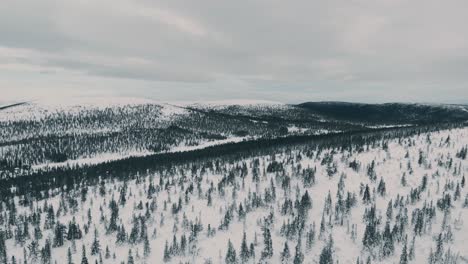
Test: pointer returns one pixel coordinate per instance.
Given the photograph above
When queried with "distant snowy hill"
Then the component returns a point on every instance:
(389, 112)
(87, 130)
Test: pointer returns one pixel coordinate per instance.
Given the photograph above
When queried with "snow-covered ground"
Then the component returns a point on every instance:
(39, 109)
(200, 193)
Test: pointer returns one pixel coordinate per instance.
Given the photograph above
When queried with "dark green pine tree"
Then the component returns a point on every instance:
(404, 253)
(326, 256)
(133, 238)
(230, 254)
(84, 259)
(439, 248)
(381, 189)
(46, 252)
(252, 250)
(59, 233)
(95, 246)
(412, 248)
(298, 256)
(121, 235)
(267, 244)
(130, 259)
(146, 247)
(102, 188)
(366, 198)
(108, 255)
(167, 253)
(241, 212)
(183, 244)
(244, 253)
(389, 212)
(123, 194)
(387, 236)
(50, 218)
(69, 256)
(114, 216)
(74, 231)
(369, 235)
(285, 255)
(310, 237)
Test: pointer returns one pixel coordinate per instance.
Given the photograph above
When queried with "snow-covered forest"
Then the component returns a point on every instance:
(390, 198)
(233, 132)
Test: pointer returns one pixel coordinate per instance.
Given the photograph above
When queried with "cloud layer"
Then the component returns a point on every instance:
(358, 50)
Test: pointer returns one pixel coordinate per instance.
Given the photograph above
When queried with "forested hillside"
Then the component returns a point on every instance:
(34, 135)
(388, 197)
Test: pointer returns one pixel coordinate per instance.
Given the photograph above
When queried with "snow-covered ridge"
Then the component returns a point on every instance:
(231, 102)
(37, 109)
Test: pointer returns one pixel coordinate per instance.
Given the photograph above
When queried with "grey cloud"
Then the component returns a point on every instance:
(279, 50)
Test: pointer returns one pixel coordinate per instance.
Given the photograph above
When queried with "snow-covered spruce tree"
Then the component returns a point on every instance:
(95, 246)
(46, 252)
(69, 256)
(244, 252)
(326, 256)
(267, 251)
(167, 253)
(59, 234)
(285, 254)
(146, 247)
(298, 255)
(84, 258)
(130, 259)
(231, 257)
(404, 253)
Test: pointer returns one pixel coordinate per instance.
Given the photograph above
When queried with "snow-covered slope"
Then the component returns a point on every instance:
(40, 109)
(385, 201)
(83, 130)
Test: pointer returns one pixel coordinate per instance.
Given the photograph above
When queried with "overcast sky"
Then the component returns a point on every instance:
(288, 51)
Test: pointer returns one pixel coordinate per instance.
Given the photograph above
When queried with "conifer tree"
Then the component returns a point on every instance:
(146, 247)
(244, 253)
(388, 245)
(69, 256)
(95, 246)
(130, 259)
(298, 256)
(46, 252)
(366, 198)
(326, 256)
(107, 256)
(404, 254)
(267, 244)
(310, 237)
(167, 254)
(84, 258)
(112, 227)
(230, 254)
